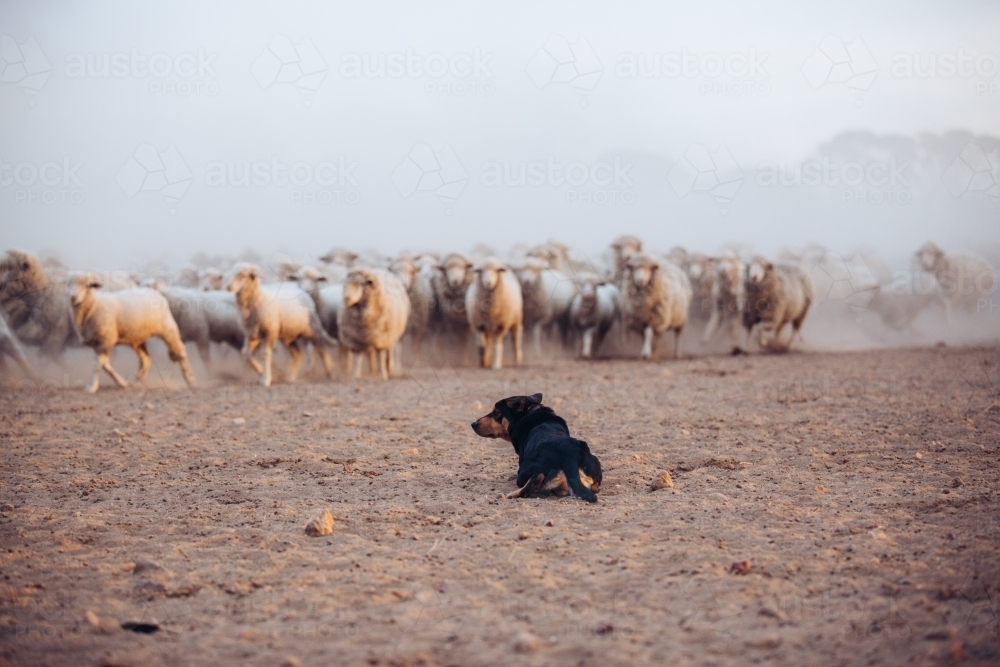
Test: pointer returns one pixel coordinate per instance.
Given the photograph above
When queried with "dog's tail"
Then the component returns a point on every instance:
(573, 477)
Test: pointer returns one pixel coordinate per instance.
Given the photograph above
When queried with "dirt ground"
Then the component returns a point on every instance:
(862, 487)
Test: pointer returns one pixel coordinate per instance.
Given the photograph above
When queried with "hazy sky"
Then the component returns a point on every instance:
(137, 132)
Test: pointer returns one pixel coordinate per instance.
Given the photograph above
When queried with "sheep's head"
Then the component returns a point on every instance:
(530, 272)
(21, 272)
(586, 287)
(929, 255)
(729, 268)
(212, 280)
(339, 256)
(243, 276)
(80, 284)
(679, 256)
(758, 269)
(627, 245)
(406, 268)
(457, 271)
(357, 285)
(641, 269)
(489, 272)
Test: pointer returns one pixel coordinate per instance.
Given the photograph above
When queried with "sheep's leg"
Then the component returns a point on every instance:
(677, 343)
(498, 351)
(179, 354)
(648, 338)
(203, 353)
(384, 361)
(358, 361)
(713, 324)
(372, 366)
(346, 359)
(518, 330)
(483, 349)
(296, 354)
(536, 336)
(268, 358)
(104, 361)
(324, 354)
(586, 343)
(144, 362)
(249, 347)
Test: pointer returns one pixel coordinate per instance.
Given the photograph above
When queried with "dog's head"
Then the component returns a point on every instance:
(505, 412)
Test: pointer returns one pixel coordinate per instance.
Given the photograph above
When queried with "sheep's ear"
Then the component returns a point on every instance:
(25, 266)
(502, 269)
(536, 398)
(440, 267)
(95, 283)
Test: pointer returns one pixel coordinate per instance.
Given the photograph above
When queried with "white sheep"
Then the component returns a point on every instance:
(273, 313)
(701, 272)
(373, 317)
(128, 317)
(595, 308)
(727, 296)
(624, 247)
(37, 308)
(775, 295)
(205, 317)
(10, 347)
(964, 281)
(421, 294)
(656, 298)
(451, 282)
(547, 295)
(495, 308)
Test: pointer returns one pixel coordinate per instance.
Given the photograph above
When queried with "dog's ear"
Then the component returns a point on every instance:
(536, 399)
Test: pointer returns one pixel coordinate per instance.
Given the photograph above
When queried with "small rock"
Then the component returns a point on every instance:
(320, 525)
(765, 642)
(957, 482)
(6, 507)
(526, 643)
(142, 565)
(550, 523)
(413, 451)
(772, 612)
(604, 629)
(664, 481)
(92, 619)
(919, 455)
(524, 536)
(291, 662)
(666, 373)
(239, 421)
(741, 567)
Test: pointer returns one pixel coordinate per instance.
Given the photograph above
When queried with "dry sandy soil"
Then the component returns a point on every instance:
(864, 489)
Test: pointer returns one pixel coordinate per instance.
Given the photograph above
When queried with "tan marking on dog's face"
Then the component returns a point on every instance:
(493, 425)
(589, 482)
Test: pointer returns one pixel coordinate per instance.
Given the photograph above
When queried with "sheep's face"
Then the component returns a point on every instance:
(406, 269)
(489, 275)
(758, 270)
(20, 271)
(456, 273)
(641, 271)
(356, 286)
(729, 269)
(242, 278)
(80, 284)
(530, 275)
(928, 256)
(212, 280)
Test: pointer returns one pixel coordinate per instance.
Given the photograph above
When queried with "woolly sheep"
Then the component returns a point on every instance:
(965, 281)
(373, 316)
(547, 295)
(624, 247)
(204, 317)
(727, 296)
(128, 317)
(775, 295)
(595, 308)
(273, 313)
(656, 298)
(495, 308)
(421, 294)
(36, 307)
(451, 282)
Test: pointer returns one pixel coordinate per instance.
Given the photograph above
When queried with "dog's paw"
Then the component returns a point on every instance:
(501, 496)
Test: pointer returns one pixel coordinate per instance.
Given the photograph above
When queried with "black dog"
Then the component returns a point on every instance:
(549, 460)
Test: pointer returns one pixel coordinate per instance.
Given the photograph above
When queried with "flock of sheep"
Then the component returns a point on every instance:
(366, 308)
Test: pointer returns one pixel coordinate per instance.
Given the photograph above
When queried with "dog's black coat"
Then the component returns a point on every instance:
(544, 446)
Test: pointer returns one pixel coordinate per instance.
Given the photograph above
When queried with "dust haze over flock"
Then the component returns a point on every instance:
(852, 127)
